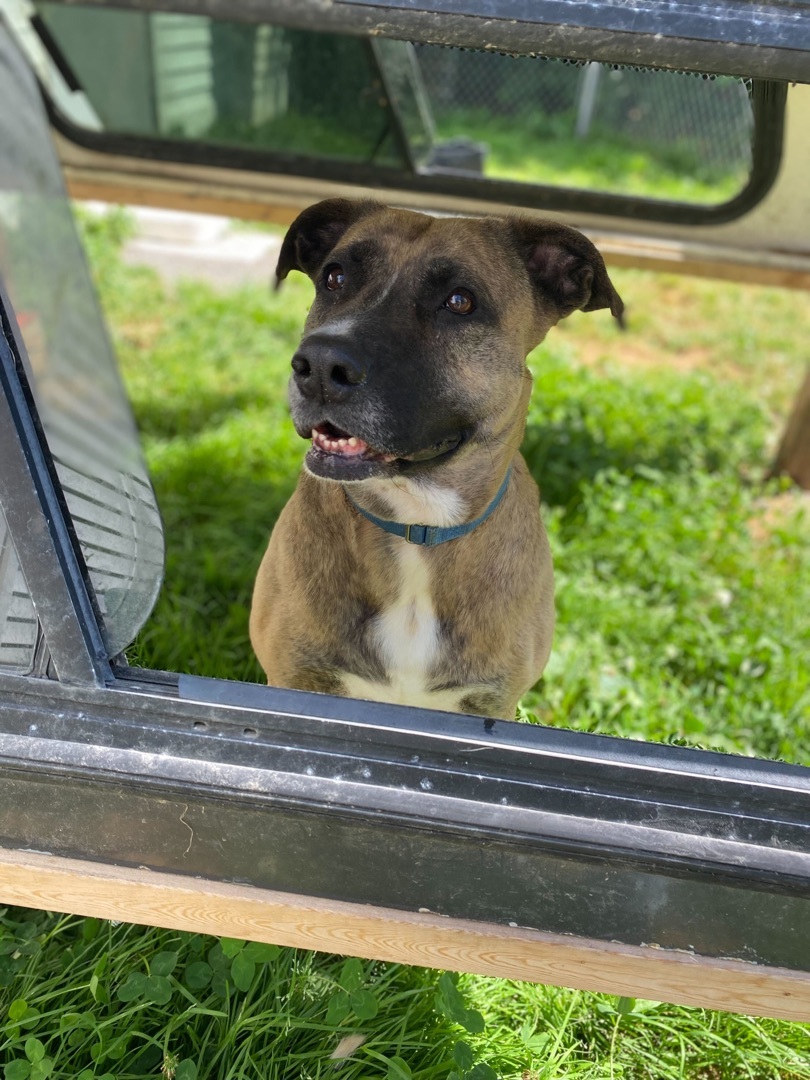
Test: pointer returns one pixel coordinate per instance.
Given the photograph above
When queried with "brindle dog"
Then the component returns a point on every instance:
(411, 383)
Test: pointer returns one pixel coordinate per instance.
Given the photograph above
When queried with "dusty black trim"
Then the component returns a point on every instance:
(49, 42)
(723, 37)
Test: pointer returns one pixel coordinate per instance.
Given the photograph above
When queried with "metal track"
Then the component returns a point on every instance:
(470, 818)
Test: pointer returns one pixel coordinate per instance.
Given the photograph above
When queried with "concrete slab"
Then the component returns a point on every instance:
(199, 247)
(232, 259)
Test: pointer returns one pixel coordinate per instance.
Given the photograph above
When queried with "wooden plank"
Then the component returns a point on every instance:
(169, 197)
(137, 895)
(745, 273)
(618, 250)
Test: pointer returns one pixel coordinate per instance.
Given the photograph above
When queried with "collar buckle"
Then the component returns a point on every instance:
(420, 539)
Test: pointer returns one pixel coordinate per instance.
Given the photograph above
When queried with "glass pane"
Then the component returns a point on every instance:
(78, 393)
(232, 84)
(306, 95)
(18, 620)
(659, 134)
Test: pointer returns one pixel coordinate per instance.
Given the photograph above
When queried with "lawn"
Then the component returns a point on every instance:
(683, 592)
(534, 148)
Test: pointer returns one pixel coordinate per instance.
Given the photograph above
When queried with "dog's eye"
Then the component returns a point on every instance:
(460, 301)
(335, 278)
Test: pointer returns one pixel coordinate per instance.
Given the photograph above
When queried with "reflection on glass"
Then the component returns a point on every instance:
(318, 96)
(18, 619)
(72, 370)
(190, 77)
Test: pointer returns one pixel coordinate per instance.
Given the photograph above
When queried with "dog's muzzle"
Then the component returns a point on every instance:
(333, 403)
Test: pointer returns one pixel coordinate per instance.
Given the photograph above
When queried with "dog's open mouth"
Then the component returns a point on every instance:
(330, 440)
(338, 455)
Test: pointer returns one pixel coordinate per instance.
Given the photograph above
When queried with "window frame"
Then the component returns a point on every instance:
(768, 101)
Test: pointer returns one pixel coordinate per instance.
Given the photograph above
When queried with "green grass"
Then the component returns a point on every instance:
(534, 148)
(683, 586)
(85, 999)
(309, 135)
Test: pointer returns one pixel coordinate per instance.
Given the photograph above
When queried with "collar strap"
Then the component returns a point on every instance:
(431, 535)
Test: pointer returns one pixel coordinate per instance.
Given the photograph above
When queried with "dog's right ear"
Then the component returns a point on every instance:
(315, 232)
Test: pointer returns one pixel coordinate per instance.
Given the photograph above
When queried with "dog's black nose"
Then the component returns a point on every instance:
(325, 372)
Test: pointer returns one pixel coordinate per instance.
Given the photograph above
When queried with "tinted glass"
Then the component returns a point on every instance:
(79, 396)
(230, 84)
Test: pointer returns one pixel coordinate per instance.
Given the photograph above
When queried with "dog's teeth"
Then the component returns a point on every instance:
(346, 445)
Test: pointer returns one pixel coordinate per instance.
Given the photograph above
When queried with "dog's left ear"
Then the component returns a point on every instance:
(315, 232)
(566, 268)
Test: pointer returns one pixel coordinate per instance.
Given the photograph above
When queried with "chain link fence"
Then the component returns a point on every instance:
(705, 121)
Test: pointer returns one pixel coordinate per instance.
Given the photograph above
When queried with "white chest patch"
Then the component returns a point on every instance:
(407, 634)
(421, 503)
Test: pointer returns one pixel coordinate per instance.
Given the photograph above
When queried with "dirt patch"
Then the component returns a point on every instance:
(143, 334)
(637, 356)
(775, 511)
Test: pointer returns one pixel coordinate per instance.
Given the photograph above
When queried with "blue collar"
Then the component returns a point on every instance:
(431, 535)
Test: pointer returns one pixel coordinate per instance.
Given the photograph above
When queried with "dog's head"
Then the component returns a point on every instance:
(414, 349)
